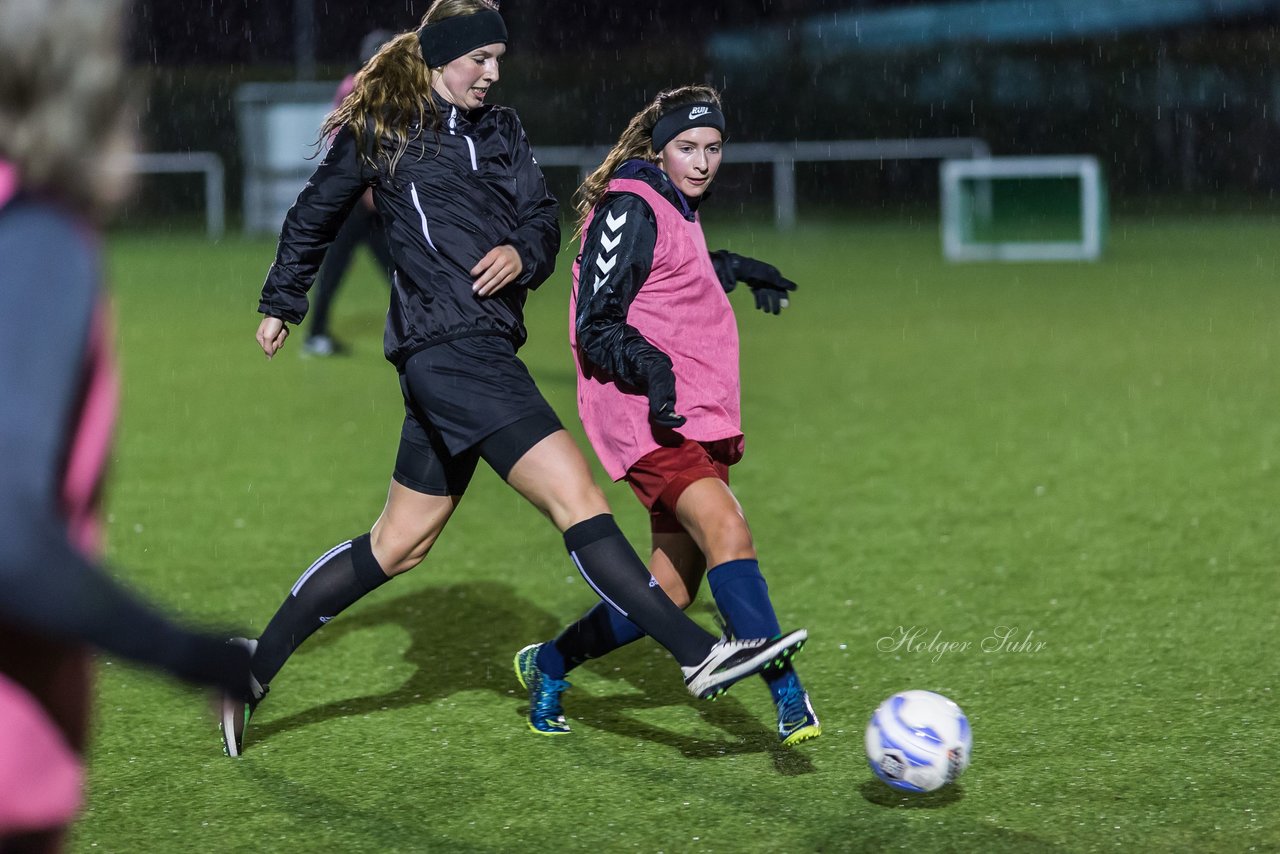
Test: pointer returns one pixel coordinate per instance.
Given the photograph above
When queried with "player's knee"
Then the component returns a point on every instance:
(730, 539)
(577, 503)
(401, 554)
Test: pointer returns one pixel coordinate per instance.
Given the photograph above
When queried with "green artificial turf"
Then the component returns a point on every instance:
(1086, 454)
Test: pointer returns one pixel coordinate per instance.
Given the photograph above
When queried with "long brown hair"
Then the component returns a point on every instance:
(393, 90)
(636, 143)
(66, 118)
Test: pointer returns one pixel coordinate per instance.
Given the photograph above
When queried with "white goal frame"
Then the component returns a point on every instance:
(958, 213)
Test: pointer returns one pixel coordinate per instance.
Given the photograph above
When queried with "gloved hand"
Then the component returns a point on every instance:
(769, 286)
(662, 396)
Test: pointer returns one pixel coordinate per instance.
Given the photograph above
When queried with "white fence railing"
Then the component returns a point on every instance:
(785, 155)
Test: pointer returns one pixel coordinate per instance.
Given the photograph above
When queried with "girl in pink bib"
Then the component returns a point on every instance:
(656, 344)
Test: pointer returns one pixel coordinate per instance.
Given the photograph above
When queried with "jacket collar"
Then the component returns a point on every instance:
(643, 170)
(452, 116)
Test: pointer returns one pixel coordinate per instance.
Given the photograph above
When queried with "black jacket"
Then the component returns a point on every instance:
(455, 194)
(608, 347)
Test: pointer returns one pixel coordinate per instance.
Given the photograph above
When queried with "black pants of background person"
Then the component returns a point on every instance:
(363, 225)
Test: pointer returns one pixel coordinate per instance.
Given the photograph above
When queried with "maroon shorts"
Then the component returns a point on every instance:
(660, 477)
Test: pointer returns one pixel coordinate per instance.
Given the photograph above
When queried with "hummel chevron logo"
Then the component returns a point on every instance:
(610, 243)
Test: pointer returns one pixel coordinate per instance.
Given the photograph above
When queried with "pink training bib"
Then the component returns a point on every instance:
(682, 310)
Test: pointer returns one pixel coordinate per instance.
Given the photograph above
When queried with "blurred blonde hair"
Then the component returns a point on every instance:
(65, 121)
(393, 90)
(636, 143)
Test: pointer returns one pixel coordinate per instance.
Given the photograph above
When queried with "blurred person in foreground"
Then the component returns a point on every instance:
(473, 230)
(362, 226)
(659, 388)
(64, 157)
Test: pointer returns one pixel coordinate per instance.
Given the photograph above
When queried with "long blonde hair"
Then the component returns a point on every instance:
(393, 90)
(65, 117)
(636, 143)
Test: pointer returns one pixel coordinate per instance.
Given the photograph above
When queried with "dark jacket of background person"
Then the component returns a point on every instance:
(57, 406)
(56, 402)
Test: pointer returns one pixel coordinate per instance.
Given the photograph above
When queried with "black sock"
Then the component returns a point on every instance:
(612, 568)
(596, 633)
(337, 579)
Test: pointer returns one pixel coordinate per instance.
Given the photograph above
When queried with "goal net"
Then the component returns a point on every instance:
(1023, 209)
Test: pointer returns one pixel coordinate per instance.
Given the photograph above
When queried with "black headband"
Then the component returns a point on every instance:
(449, 38)
(703, 114)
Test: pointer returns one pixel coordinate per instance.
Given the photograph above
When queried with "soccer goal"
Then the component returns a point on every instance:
(1023, 209)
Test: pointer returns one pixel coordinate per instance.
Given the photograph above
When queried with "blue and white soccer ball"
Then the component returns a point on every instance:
(918, 741)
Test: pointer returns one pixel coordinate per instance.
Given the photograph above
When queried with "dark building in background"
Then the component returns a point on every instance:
(185, 32)
(1186, 106)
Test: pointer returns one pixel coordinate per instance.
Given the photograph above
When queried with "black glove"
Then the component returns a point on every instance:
(769, 287)
(662, 396)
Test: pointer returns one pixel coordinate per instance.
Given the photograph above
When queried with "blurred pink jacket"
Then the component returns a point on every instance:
(40, 775)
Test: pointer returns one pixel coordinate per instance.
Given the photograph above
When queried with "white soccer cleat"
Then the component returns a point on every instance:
(234, 712)
(732, 660)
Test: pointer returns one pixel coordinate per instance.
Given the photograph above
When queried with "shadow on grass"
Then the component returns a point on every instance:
(885, 796)
(463, 636)
(459, 635)
(646, 668)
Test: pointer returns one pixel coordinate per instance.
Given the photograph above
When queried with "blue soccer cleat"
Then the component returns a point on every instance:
(546, 717)
(797, 721)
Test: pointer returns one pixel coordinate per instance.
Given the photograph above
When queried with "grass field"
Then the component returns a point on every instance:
(1086, 454)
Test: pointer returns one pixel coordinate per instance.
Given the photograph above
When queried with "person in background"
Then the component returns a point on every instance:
(658, 389)
(65, 148)
(473, 231)
(363, 226)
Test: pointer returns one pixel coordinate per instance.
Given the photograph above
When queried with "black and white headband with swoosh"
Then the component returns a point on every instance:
(703, 114)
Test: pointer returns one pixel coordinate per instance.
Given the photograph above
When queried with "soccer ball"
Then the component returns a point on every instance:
(918, 741)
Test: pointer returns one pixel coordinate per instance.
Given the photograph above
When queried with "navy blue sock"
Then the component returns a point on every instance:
(596, 633)
(742, 596)
(780, 682)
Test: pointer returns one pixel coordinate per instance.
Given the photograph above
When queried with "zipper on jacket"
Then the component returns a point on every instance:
(426, 232)
(471, 146)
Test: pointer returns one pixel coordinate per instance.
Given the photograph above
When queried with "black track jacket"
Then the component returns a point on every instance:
(455, 194)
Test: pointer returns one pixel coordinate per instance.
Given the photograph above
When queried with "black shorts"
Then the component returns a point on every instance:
(466, 400)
